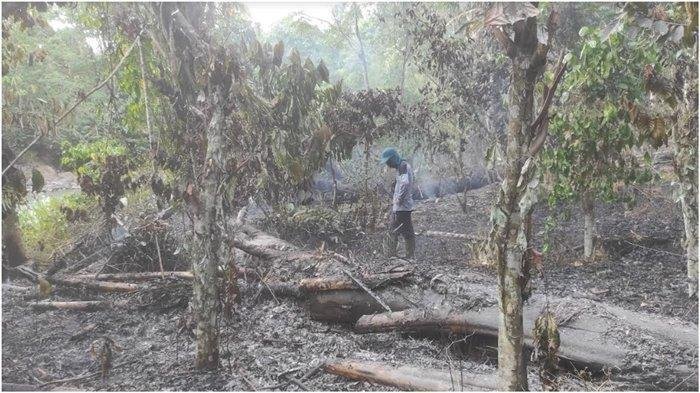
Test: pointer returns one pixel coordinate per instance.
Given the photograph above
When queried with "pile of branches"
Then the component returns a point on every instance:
(150, 248)
(308, 223)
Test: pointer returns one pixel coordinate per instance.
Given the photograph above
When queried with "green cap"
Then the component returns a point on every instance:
(388, 154)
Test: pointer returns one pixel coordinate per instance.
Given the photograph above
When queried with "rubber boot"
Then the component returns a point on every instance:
(410, 247)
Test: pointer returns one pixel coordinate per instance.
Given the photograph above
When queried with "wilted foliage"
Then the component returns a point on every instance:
(363, 116)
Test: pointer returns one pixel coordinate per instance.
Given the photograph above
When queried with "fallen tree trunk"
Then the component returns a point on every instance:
(583, 342)
(102, 286)
(310, 285)
(347, 306)
(75, 305)
(243, 272)
(411, 378)
(452, 235)
(141, 276)
(19, 387)
(335, 283)
(18, 288)
(285, 259)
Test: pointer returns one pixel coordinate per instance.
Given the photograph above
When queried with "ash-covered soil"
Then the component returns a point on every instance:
(639, 267)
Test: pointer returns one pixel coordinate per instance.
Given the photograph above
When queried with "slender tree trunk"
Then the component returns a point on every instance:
(144, 91)
(588, 205)
(363, 55)
(335, 182)
(509, 232)
(406, 52)
(208, 233)
(151, 137)
(685, 138)
(511, 215)
(13, 253)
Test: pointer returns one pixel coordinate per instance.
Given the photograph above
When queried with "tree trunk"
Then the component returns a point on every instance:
(208, 233)
(363, 56)
(452, 235)
(588, 205)
(508, 235)
(12, 248)
(583, 340)
(140, 276)
(14, 190)
(411, 378)
(518, 193)
(19, 387)
(101, 286)
(76, 305)
(406, 52)
(685, 138)
(347, 306)
(321, 284)
(335, 183)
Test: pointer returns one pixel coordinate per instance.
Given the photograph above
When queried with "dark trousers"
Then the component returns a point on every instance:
(400, 225)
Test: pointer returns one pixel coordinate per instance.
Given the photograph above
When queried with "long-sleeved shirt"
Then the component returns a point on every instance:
(403, 190)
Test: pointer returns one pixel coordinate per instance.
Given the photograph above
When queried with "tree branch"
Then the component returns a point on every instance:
(507, 43)
(80, 101)
(541, 123)
(187, 28)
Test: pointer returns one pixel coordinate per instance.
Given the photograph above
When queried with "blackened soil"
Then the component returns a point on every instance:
(639, 266)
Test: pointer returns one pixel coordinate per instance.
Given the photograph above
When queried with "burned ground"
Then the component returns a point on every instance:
(639, 268)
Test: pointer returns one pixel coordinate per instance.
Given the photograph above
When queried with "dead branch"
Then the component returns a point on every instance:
(84, 376)
(75, 305)
(452, 235)
(506, 42)
(102, 286)
(83, 263)
(369, 292)
(141, 276)
(18, 387)
(320, 284)
(540, 126)
(83, 332)
(18, 288)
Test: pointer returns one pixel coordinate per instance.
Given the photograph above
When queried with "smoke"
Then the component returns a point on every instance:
(427, 184)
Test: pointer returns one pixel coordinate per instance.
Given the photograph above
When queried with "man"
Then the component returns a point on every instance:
(402, 204)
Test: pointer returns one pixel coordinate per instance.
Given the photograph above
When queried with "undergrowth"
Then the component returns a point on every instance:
(310, 223)
(51, 223)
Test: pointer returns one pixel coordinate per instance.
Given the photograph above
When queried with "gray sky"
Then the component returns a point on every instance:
(267, 14)
(264, 13)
